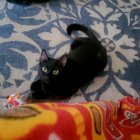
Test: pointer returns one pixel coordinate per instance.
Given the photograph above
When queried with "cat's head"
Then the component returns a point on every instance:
(50, 68)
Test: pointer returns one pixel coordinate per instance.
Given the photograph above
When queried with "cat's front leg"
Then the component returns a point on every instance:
(36, 85)
(41, 95)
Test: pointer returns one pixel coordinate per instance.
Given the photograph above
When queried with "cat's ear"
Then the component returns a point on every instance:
(63, 59)
(44, 56)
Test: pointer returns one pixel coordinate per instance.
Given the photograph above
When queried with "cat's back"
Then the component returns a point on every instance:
(85, 52)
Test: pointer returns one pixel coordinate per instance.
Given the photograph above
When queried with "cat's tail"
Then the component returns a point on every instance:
(79, 27)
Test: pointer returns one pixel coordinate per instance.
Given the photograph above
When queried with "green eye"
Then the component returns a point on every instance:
(44, 69)
(55, 72)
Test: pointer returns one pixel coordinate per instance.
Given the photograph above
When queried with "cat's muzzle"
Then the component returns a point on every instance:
(46, 80)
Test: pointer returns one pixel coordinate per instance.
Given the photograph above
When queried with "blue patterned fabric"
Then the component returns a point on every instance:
(26, 29)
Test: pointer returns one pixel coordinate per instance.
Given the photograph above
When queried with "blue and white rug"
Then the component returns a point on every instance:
(26, 29)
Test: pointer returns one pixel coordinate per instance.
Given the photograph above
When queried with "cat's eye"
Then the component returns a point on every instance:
(55, 72)
(44, 69)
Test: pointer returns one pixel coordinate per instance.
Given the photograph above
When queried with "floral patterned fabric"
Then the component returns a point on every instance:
(26, 29)
(101, 120)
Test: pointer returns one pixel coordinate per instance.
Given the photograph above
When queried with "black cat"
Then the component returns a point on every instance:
(61, 78)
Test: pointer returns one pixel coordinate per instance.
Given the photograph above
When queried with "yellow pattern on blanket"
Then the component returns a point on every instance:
(102, 120)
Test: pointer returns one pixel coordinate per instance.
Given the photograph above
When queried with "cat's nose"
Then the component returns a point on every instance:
(46, 80)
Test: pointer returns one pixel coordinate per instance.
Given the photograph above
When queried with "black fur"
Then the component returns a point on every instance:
(86, 59)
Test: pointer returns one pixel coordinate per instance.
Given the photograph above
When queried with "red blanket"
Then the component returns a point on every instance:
(102, 120)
